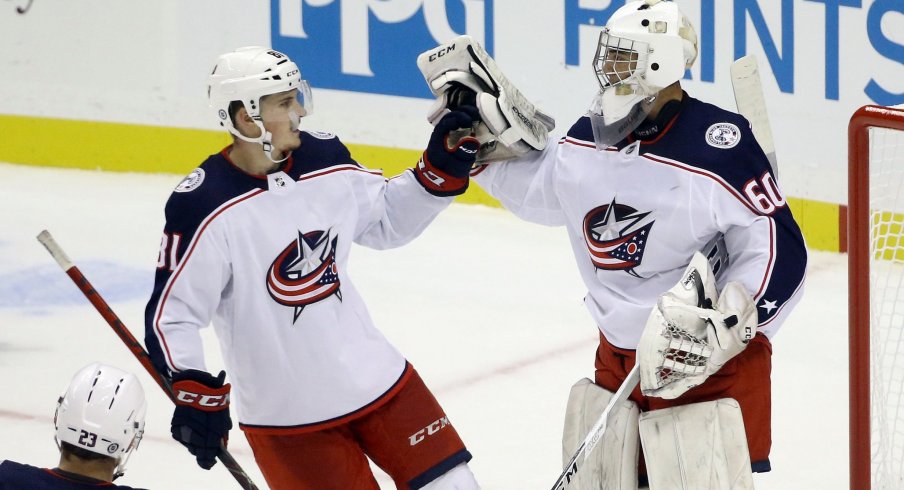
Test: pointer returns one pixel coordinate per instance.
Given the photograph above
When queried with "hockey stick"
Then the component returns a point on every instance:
(748, 93)
(131, 342)
(597, 431)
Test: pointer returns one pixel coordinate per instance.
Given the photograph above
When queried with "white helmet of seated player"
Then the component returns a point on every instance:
(646, 46)
(245, 76)
(102, 411)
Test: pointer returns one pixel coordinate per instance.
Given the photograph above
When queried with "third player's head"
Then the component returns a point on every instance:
(259, 96)
(100, 417)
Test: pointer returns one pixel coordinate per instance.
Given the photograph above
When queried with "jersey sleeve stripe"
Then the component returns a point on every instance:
(339, 168)
(699, 171)
(770, 265)
(191, 247)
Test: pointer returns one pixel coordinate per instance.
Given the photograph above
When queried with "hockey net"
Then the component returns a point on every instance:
(876, 297)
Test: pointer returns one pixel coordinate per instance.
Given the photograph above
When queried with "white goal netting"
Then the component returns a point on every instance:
(886, 204)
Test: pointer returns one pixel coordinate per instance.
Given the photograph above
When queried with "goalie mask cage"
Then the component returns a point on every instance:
(876, 297)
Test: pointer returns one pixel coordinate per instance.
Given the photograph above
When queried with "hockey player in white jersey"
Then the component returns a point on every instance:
(99, 422)
(256, 243)
(649, 177)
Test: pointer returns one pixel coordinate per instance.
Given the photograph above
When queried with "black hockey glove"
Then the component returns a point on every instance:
(444, 167)
(201, 419)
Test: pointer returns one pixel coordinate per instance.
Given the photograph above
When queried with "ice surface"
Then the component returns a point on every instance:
(487, 308)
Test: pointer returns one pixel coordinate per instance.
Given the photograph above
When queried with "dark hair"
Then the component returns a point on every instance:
(81, 453)
(234, 107)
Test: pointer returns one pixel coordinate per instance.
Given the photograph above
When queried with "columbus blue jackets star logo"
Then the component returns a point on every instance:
(305, 272)
(616, 236)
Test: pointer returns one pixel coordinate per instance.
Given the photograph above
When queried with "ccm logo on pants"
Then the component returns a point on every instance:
(431, 429)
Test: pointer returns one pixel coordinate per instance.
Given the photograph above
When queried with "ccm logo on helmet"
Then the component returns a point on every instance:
(202, 401)
(431, 429)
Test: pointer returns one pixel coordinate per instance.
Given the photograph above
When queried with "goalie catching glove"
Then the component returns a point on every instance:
(462, 73)
(693, 331)
(201, 419)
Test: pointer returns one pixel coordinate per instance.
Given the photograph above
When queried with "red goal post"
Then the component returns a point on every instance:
(876, 296)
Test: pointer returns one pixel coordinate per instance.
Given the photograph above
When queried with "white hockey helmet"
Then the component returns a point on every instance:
(102, 411)
(248, 74)
(655, 37)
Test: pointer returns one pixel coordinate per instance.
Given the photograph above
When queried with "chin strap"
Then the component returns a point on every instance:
(266, 137)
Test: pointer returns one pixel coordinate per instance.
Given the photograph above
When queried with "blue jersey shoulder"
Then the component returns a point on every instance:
(712, 139)
(17, 475)
(206, 188)
(319, 150)
(218, 180)
(581, 130)
(702, 136)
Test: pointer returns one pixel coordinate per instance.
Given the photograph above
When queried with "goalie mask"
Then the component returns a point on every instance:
(248, 74)
(102, 411)
(645, 47)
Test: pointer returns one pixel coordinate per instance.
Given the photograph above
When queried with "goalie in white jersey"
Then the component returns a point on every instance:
(256, 242)
(644, 181)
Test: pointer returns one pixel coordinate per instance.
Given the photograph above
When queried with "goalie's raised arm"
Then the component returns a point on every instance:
(644, 179)
(462, 69)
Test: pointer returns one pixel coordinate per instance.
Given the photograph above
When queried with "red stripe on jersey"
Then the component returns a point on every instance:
(337, 421)
(705, 173)
(191, 249)
(583, 144)
(339, 168)
(739, 197)
(577, 142)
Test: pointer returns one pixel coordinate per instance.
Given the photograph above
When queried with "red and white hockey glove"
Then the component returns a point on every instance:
(444, 167)
(201, 419)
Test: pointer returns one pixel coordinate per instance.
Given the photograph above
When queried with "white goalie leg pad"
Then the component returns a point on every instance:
(612, 465)
(701, 446)
(513, 119)
(458, 478)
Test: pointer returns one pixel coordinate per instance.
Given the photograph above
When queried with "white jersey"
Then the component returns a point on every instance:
(636, 213)
(265, 260)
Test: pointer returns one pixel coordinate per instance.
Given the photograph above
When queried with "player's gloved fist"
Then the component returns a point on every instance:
(444, 167)
(201, 419)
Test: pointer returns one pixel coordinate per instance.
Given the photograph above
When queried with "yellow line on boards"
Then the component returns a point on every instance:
(158, 149)
(105, 146)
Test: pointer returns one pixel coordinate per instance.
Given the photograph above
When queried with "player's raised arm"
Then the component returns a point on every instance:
(644, 180)
(394, 212)
(257, 244)
(516, 160)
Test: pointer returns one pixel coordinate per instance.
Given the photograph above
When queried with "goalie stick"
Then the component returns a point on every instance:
(131, 342)
(597, 431)
(748, 93)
